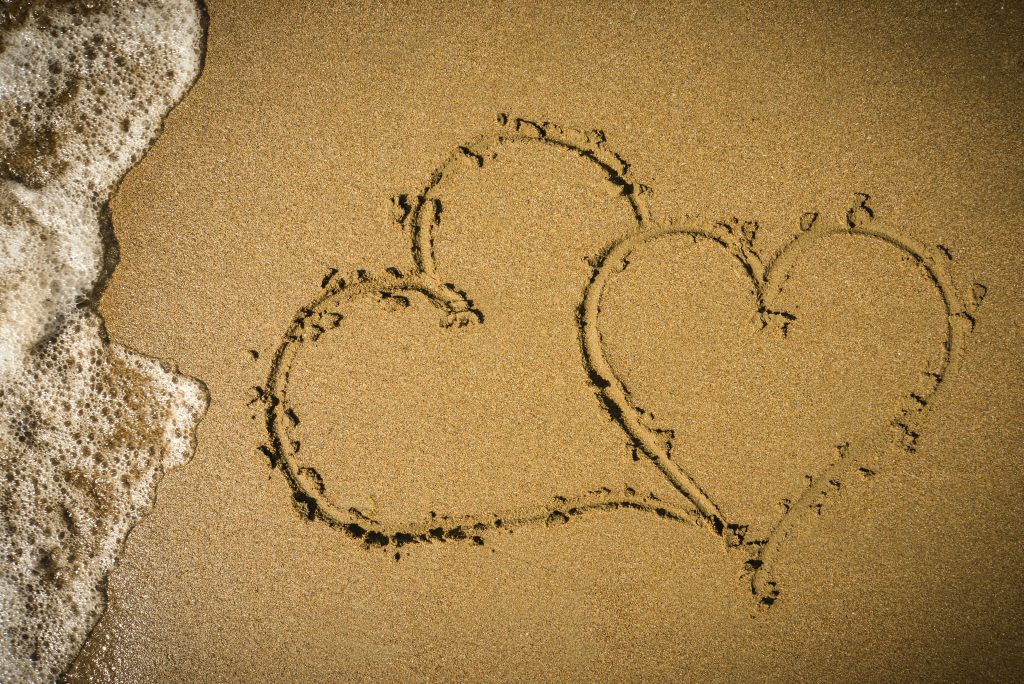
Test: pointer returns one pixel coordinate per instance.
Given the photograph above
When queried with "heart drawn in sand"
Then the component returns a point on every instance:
(652, 443)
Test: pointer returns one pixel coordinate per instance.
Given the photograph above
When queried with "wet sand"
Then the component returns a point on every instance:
(278, 170)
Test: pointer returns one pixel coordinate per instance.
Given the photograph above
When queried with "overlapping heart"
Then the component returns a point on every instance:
(422, 213)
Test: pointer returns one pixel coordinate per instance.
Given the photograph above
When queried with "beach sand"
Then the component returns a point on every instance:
(279, 169)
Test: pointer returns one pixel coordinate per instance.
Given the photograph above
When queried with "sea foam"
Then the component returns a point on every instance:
(87, 427)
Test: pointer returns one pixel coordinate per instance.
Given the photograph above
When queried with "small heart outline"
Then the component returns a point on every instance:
(768, 279)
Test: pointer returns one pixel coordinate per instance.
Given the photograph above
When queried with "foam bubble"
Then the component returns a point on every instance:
(87, 427)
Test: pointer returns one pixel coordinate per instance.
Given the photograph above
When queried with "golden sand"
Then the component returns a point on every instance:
(872, 392)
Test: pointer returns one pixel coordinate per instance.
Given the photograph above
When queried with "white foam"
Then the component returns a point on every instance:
(86, 427)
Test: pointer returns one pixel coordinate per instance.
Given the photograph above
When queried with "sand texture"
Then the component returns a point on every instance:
(582, 341)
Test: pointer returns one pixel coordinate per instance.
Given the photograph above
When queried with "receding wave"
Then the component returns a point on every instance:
(87, 427)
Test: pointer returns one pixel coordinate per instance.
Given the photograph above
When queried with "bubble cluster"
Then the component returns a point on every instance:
(87, 427)
(84, 87)
(87, 430)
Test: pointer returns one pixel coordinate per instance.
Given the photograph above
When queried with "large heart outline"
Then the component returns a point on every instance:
(421, 216)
